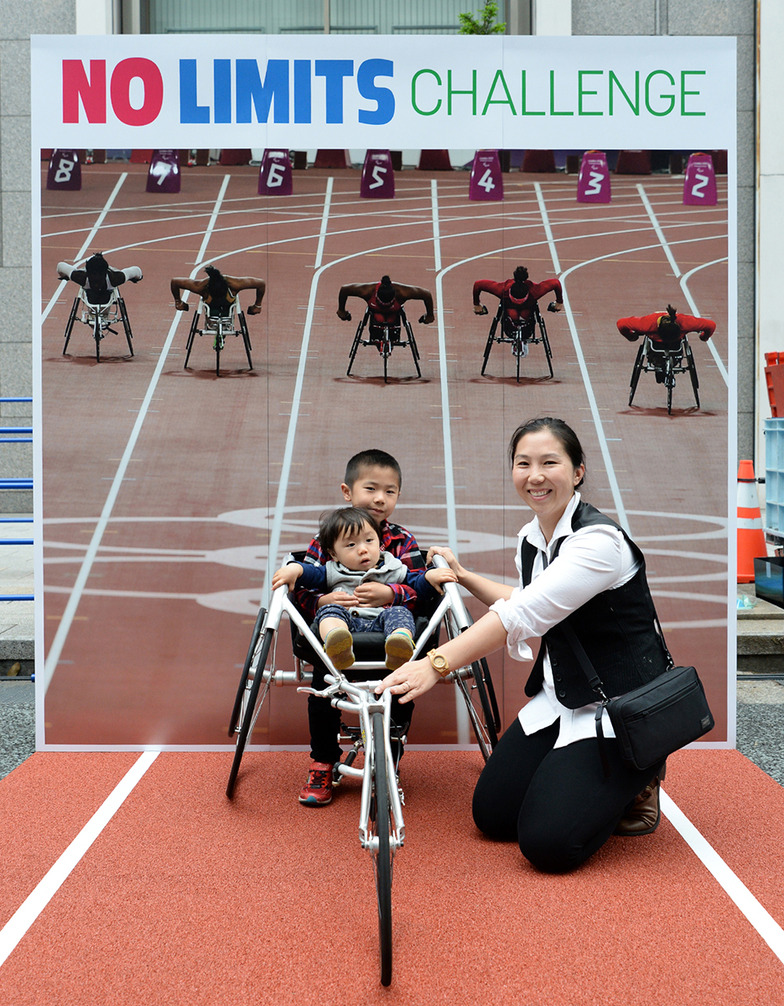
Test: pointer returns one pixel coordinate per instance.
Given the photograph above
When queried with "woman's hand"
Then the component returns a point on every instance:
(410, 680)
(450, 557)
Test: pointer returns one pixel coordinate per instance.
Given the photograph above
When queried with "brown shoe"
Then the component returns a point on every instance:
(643, 817)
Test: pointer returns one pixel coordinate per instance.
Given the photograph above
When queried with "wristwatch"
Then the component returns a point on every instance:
(439, 662)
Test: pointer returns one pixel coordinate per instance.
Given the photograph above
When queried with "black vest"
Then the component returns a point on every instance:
(616, 628)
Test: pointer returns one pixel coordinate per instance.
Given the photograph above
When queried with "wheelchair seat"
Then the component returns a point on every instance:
(384, 337)
(368, 646)
(665, 359)
(219, 321)
(519, 333)
(99, 310)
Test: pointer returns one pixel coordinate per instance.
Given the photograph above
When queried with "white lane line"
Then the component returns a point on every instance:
(436, 224)
(56, 649)
(620, 509)
(288, 452)
(770, 931)
(87, 242)
(14, 930)
(657, 228)
(693, 308)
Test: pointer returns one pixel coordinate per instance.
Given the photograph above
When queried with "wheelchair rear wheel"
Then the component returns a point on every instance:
(191, 334)
(125, 323)
(695, 382)
(245, 337)
(381, 849)
(70, 325)
(545, 341)
(235, 713)
(636, 371)
(254, 691)
(479, 696)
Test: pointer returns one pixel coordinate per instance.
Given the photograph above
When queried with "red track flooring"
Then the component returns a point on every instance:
(165, 489)
(184, 897)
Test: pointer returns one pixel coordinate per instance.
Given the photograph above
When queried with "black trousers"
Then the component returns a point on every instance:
(557, 803)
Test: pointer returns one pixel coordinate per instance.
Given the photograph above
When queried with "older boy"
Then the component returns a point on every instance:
(373, 481)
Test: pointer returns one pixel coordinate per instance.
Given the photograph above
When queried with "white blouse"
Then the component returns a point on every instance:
(591, 560)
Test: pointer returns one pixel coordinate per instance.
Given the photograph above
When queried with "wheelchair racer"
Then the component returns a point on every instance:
(518, 295)
(97, 278)
(218, 292)
(385, 300)
(665, 328)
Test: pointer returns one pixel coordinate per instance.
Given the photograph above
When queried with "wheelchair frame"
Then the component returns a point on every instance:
(218, 327)
(668, 362)
(522, 336)
(381, 825)
(384, 338)
(100, 318)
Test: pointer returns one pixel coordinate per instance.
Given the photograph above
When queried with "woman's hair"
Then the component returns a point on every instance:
(96, 268)
(667, 325)
(520, 286)
(559, 429)
(216, 283)
(344, 520)
(385, 292)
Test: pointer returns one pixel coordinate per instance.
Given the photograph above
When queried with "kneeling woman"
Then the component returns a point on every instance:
(545, 784)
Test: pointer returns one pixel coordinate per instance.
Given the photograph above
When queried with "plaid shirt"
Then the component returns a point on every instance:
(395, 540)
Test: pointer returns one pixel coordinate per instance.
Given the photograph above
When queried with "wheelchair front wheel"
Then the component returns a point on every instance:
(669, 381)
(381, 851)
(97, 335)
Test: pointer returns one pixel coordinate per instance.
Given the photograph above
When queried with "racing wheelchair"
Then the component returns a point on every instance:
(665, 361)
(520, 335)
(381, 825)
(384, 337)
(99, 310)
(218, 323)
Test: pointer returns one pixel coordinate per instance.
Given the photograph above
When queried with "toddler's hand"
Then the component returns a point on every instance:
(288, 575)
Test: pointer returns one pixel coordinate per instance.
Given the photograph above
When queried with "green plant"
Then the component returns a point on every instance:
(483, 22)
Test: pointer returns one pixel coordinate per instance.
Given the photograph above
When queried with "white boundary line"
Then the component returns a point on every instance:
(17, 926)
(770, 931)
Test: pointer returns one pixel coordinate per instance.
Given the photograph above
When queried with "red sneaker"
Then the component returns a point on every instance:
(317, 791)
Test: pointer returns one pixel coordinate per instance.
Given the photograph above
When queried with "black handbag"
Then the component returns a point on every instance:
(655, 719)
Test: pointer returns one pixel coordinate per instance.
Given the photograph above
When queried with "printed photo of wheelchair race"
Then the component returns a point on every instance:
(385, 501)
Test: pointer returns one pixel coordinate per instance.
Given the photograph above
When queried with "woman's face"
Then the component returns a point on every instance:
(544, 476)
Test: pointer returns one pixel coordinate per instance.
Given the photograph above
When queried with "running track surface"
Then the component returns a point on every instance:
(165, 892)
(169, 495)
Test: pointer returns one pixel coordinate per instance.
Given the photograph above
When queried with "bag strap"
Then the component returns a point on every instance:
(593, 680)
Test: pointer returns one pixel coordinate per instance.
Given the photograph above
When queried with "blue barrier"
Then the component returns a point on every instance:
(16, 483)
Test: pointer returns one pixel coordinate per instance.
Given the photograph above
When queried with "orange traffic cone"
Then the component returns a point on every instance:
(751, 537)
